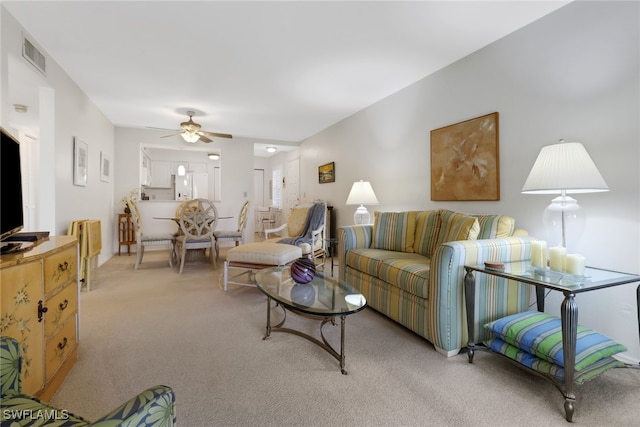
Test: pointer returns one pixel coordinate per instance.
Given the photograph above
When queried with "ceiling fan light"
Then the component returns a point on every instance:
(190, 137)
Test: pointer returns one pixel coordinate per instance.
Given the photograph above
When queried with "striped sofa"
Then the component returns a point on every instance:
(410, 267)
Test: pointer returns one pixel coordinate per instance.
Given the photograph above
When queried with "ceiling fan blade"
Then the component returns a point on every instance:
(173, 134)
(203, 138)
(214, 134)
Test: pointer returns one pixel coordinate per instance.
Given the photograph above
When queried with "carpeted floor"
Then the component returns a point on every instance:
(155, 326)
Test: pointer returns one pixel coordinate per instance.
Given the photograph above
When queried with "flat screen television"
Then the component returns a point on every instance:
(11, 214)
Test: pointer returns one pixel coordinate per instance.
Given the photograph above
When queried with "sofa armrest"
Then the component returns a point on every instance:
(154, 406)
(448, 319)
(352, 237)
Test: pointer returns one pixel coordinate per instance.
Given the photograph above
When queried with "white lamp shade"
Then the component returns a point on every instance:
(362, 194)
(567, 167)
(190, 137)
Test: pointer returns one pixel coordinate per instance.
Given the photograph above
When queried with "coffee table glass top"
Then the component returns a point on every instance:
(593, 278)
(323, 296)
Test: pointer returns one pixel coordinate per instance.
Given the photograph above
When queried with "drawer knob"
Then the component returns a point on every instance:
(62, 344)
(41, 310)
(64, 304)
(63, 267)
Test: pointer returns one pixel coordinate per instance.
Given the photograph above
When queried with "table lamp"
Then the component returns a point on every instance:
(362, 194)
(564, 168)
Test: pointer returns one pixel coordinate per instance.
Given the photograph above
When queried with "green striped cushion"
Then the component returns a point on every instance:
(540, 334)
(409, 272)
(495, 226)
(427, 223)
(456, 226)
(544, 367)
(394, 231)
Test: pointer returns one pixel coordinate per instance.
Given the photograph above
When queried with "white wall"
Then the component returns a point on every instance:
(573, 74)
(64, 112)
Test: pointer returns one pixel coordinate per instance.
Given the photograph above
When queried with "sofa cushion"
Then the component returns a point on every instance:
(495, 226)
(540, 334)
(368, 260)
(456, 226)
(409, 272)
(427, 224)
(394, 231)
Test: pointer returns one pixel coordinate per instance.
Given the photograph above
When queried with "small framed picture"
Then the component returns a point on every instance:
(105, 167)
(80, 162)
(327, 173)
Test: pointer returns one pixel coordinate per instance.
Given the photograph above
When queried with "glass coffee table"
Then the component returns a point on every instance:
(323, 298)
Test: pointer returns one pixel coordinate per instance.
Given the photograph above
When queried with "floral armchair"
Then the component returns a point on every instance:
(152, 407)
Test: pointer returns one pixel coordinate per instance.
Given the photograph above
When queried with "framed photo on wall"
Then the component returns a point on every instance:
(327, 173)
(105, 167)
(80, 162)
(465, 162)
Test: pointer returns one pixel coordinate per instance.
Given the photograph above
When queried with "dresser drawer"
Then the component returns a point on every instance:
(59, 268)
(60, 307)
(59, 347)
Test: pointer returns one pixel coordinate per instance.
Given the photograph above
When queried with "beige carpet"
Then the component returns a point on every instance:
(154, 326)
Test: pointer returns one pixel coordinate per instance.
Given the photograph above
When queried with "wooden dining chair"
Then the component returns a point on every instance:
(198, 221)
(236, 235)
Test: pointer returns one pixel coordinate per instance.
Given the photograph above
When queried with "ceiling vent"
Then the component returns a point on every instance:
(33, 55)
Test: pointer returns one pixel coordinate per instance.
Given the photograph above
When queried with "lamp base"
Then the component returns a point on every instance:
(361, 216)
(564, 218)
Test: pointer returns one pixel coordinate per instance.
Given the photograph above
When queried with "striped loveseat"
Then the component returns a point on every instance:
(410, 267)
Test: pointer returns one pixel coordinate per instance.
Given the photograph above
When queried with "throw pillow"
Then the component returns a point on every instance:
(394, 231)
(456, 226)
(495, 226)
(548, 368)
(427, 224)
(540, 334)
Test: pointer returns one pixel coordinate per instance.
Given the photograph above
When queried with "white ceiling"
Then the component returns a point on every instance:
(269, 70)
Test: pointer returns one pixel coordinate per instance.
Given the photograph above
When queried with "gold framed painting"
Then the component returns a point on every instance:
(465, 160)
(327, 173)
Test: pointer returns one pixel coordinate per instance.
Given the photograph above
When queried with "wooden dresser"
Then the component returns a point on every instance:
(39, 307)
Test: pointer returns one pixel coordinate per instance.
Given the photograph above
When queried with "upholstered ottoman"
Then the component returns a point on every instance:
(256, 256)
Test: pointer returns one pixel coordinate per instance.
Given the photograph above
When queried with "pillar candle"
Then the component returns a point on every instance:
(539, 253)
(574, 264)
(557, 257)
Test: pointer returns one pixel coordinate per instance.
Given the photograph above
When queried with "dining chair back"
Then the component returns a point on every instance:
(235, 235)
(198, 221)
(143, 240)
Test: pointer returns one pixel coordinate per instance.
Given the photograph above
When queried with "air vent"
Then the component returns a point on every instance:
(33, 55)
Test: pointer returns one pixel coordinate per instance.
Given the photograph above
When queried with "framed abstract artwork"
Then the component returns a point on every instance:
(327, 173)
(105, 167)
(465, 160)
(80, 161)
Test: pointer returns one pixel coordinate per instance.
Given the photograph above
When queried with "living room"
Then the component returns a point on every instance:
(572, 74)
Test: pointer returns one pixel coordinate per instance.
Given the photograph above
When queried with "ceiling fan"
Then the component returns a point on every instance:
(191, 131)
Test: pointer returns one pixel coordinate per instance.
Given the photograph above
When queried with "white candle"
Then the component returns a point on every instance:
(539, 253)
(574, 264)
(557, 257)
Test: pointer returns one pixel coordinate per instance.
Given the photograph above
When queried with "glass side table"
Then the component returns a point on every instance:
(542, 279)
